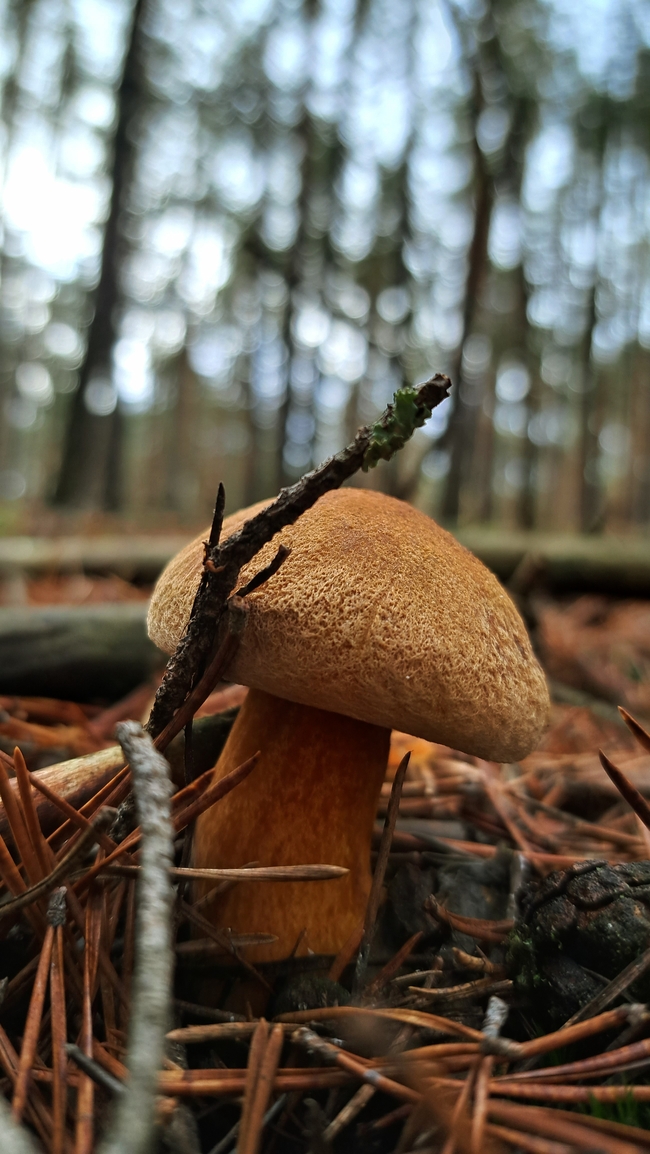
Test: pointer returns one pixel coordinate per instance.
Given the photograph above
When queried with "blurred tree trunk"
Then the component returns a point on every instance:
(90, 471)
(463, 416)
(183, 422)
(590, 489)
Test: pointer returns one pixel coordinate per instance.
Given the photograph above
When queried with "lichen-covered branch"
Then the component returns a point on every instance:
(133, 1128)
(409, 410)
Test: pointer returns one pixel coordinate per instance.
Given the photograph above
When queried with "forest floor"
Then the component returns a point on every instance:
(504, 1003)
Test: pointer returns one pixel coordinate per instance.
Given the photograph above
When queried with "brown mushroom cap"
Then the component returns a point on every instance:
(378, 614)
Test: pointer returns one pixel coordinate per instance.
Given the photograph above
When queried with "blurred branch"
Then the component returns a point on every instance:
(133, 1128)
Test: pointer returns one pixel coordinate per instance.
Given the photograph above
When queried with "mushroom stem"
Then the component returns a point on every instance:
(312, 798)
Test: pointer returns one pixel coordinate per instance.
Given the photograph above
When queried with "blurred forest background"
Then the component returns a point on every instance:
(233, 227)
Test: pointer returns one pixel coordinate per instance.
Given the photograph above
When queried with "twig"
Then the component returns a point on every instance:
(349, 1112)
(410, 409)
(227, 1141)
(483, 929)
(495, 1016)
(32, 1027)
(297, 873)
(642, 736)
(133, 1128)
(251, 1130)
(345, 954)
(256, 1052)
(626, 789)
(237, 612)
(313, 1043)
(387, 973)
(222, 939)
(613, 989)
(63, 868)
(94, 1070)
(59, 1039)
(374, 896)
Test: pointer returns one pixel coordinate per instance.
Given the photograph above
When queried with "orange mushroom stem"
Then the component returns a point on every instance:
(313, 798)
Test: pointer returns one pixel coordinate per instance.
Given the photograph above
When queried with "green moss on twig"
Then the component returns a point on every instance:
(406, 413)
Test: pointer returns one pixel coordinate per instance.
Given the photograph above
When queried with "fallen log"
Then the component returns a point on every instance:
(565, 562)
(79, 654)
(608, 563)
(80, 778)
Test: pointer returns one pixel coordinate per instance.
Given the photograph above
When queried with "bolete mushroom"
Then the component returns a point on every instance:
(378, 619)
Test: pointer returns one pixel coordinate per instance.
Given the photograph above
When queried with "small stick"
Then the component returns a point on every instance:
(528, 1143)
(75, 817)
(32, 1027)
(209, 797)
(613, 989)
(216, 1031)
(236, 623)
(460, 1109)
(61, 870)
(571, 1128)
(374, 896)
(214, 793)
(410, 1017)
(19, 832)
(312, 1042)
(628, 791)
(32, 823)
(345, 954)
(222, 940)
(256, 1053)
(464, 992)
(105, 794)
(569, 1034)
(495, 1016)
(387, 973)
(93, 1069)
(227, 1141)
(357, 1103)
(150, 1000)
(39, 1114)
(297, 873)
(610, 1061)
(642, 736)
(128, 954)
(249, 1142)
(59, 1039)
(86, 1087)
(481, 928)
(542, 1092)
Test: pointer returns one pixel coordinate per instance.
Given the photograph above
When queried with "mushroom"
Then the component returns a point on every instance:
(378, 619)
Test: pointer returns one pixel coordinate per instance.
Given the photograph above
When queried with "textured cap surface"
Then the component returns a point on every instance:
(381, 615)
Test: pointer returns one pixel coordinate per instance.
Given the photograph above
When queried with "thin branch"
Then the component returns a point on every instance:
(628, 791)
(133, 1128)
(374, 896)
(64, 867)
(410, 409)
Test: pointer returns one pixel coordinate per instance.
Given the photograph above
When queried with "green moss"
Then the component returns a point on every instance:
(627, 1111)
(395, 429)
(521, 959)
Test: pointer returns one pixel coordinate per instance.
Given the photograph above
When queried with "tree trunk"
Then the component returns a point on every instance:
(90, 470)
(463, 416)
